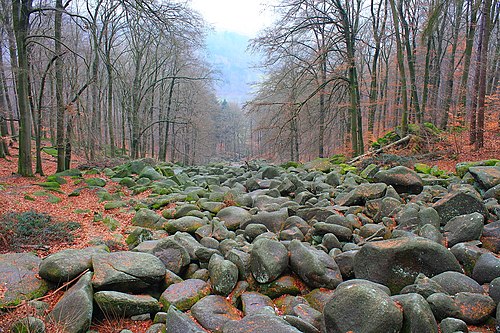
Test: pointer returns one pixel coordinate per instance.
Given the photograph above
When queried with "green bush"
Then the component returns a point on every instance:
(32, 228)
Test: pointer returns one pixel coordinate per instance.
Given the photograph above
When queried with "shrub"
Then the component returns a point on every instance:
(32, 228)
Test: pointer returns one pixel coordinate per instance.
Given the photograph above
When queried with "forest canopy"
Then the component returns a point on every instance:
(119, 78)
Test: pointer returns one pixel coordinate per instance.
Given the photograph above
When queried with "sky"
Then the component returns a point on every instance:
(246, 17)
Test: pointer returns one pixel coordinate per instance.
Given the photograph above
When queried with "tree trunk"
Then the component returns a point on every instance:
(450, 78)
(402, 74)
(58, 66)
(21, 17)
(485, 33)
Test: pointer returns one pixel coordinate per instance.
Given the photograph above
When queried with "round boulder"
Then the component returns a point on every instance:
(362, 308)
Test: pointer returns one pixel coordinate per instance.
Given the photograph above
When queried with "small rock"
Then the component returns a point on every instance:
(74, 310)
(28, 325)
(464, 228)
(260, 323)
(470, 307)
(455, 282)
(403, 180)
(179, 322)
(417, 314)
(487, 268)
(185, 294)
(254, 303)
(452, 325)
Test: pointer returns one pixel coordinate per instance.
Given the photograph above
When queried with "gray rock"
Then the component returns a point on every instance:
(431, 233)
(428, 215)
(147, 218)
(371, 284)
(253, 303)
(467, 255)
(67, 264)
(212, 312)
(300, 324)
(494, 290)
(260, 323)
(486, 269)
(491, 237)
(18, 273)
(117, 304)
(455, 282)
(223, 275)
(241, 260)
(157, 328)
(187, 224)
(179, 322)
(185, 294)
(274, 221)
(486, 176)
(362, 193)
(173, 255)
(28, 325)
(345, 261)
(233, 217)
(417, 314)
(150, 173)
(342, 233)
(74, 310)
(362, 308)
(458, 203)
(472, 308)
(423, 286)
(492, 193)
(452, 325)
(126, 271)
(268, 260)
(315, 267)
(397, 262)
(403, 180)
(464, 228)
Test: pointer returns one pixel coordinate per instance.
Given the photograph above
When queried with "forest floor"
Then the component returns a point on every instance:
(19, 194)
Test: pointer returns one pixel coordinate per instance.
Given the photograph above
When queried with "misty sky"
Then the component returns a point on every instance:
(246, 17)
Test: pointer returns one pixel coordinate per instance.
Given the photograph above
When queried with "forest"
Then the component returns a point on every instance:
(117, 78)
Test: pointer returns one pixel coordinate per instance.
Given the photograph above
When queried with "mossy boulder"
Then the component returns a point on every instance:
(95, 182)
(18, 274)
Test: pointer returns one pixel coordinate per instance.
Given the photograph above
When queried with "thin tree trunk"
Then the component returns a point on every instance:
(402, 74)
(485, 32)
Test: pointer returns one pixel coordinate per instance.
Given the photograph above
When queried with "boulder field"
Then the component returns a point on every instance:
(262, 248)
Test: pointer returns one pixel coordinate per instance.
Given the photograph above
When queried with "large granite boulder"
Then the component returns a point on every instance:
(18, 278)
(315, 267)
(362, 308)
(212, 312)
(458, 203)
(233, 217)
(67, 264)
(173, 255)
(117, 304)
(402, 179)
(397, 262)
(268, 260)
(127, 271)
(74, 310)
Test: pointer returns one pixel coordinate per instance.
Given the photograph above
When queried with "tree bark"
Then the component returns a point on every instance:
(21, 18)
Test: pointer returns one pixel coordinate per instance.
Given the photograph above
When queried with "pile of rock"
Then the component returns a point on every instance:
(292, 250)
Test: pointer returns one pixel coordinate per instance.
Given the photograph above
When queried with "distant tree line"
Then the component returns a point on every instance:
(341, 71)
(106, 78)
